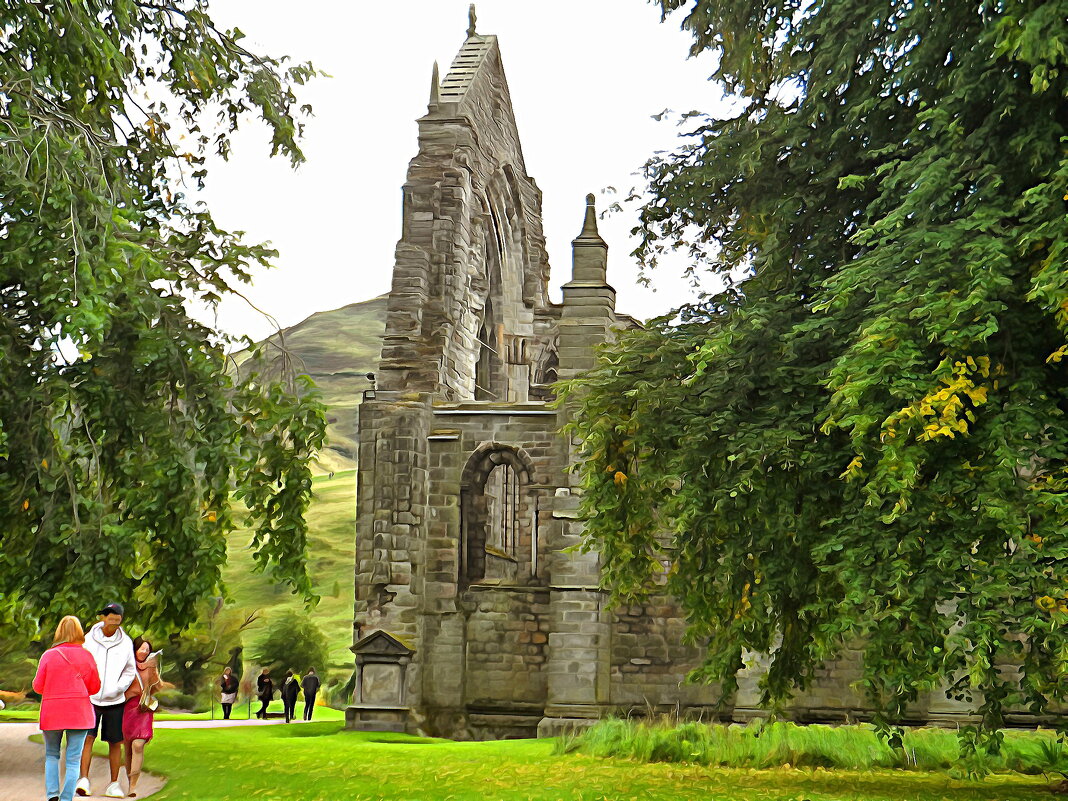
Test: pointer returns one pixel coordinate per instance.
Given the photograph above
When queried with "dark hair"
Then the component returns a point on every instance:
(139, 641)
(289, 673)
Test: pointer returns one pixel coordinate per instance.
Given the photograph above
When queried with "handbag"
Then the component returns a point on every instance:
(146, 703)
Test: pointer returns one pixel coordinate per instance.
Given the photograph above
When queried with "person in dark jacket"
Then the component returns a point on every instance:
(227, 691)
(310, 685)
(264, 691)
(290, 688)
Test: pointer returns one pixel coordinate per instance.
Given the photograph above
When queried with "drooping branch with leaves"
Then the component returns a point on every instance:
(863, 440)
(122, 435)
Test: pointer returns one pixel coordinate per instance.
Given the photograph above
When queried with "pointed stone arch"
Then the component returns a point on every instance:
(471, 244)
(498, 518)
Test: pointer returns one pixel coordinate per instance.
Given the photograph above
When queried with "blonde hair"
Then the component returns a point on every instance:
(69, 630)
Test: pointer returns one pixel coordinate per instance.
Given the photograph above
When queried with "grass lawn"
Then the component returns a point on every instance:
(10, 715)
(323, 713)
(321, 762)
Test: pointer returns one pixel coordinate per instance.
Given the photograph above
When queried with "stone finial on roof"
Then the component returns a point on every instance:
(589, 224)
(472, 18)
(435, 86)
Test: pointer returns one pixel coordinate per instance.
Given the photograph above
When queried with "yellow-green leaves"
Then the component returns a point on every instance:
(875, 409)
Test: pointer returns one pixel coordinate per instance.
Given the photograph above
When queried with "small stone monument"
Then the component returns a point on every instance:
(378, 702)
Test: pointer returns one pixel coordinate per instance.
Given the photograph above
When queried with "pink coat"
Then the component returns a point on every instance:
(66, 677)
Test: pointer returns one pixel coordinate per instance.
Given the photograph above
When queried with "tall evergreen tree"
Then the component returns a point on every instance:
(863, 438)
(121, 436)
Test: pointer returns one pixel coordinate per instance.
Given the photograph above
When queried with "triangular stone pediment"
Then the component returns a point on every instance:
(381, 643)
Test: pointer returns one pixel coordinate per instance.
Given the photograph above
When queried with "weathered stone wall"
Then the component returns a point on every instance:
(507, 633)
(392, 490)
(471, 268)
(650, 663)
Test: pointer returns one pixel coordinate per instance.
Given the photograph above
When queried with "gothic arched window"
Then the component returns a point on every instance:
(499, 537)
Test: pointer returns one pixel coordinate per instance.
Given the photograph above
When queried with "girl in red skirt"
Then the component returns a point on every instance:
(140, 709)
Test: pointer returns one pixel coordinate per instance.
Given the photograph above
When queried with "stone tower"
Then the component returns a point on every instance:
(472, 617)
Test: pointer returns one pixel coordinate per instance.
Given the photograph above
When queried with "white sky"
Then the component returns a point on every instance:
(585, 77)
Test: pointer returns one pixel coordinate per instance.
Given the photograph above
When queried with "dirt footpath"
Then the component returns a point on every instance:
(22, 767)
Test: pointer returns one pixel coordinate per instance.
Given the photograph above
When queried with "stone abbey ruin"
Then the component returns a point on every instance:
(475, 617)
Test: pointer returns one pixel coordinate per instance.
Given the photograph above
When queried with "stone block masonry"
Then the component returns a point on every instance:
(467, 516)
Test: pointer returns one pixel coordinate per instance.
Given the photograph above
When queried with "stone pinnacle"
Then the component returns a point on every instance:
(435, 86)
(589, 225)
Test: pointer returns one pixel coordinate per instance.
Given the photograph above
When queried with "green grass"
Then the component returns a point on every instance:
(319, 762)
(331, 557)
(240, 712)
(10, 715)
(787, 744)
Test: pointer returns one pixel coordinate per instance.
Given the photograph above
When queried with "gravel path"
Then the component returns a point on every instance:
(22, 761)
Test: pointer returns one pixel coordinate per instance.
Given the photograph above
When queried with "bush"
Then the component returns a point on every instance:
(176, 699)
(292, 642)
(18, 657)
(769, 745)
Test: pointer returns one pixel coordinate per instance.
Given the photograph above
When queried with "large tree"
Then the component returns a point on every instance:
(863, 439)
(121, 434)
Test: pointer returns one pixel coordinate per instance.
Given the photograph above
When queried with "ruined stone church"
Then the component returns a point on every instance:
(475, 616)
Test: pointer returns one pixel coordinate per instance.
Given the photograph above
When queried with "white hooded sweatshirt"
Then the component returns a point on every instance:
(115, 663)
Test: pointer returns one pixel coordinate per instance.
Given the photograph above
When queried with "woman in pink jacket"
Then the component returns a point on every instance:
(66, 677)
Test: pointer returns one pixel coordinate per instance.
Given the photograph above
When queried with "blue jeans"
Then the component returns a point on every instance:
(75, 741)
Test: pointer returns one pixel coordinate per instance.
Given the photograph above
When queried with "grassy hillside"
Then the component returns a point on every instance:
(337, 349)
(331, 563)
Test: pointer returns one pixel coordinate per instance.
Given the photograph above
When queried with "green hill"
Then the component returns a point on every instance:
(336, 349)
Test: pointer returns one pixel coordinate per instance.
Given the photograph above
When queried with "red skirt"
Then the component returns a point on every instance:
(136, 725)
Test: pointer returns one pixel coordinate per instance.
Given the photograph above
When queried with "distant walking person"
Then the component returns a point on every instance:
(113, 651)
(140, 710)
(66, 677)
(310, 685)
(290, 688)
(227, 691)
(264, 691)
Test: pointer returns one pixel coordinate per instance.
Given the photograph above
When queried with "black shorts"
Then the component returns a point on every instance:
(108, 724)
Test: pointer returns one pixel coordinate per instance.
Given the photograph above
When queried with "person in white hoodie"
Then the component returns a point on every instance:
(114, 654)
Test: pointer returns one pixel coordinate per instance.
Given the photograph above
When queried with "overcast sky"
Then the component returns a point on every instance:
(586, 76)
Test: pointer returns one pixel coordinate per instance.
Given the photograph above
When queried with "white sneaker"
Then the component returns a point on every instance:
(82, 787)
(114, 790)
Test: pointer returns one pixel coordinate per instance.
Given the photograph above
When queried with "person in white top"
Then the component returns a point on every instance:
(113, 652)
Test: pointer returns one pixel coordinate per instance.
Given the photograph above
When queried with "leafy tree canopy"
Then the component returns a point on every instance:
(121, 436)
(863, 438)
(292, 642)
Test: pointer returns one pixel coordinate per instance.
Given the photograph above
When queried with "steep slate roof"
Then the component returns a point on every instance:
(465, 66)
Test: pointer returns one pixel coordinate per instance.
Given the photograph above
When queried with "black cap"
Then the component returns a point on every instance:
(113, 608)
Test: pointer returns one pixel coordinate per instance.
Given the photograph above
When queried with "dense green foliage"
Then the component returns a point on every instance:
(121, 437)
(763, 746)
(292, 641)
(863, 438)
